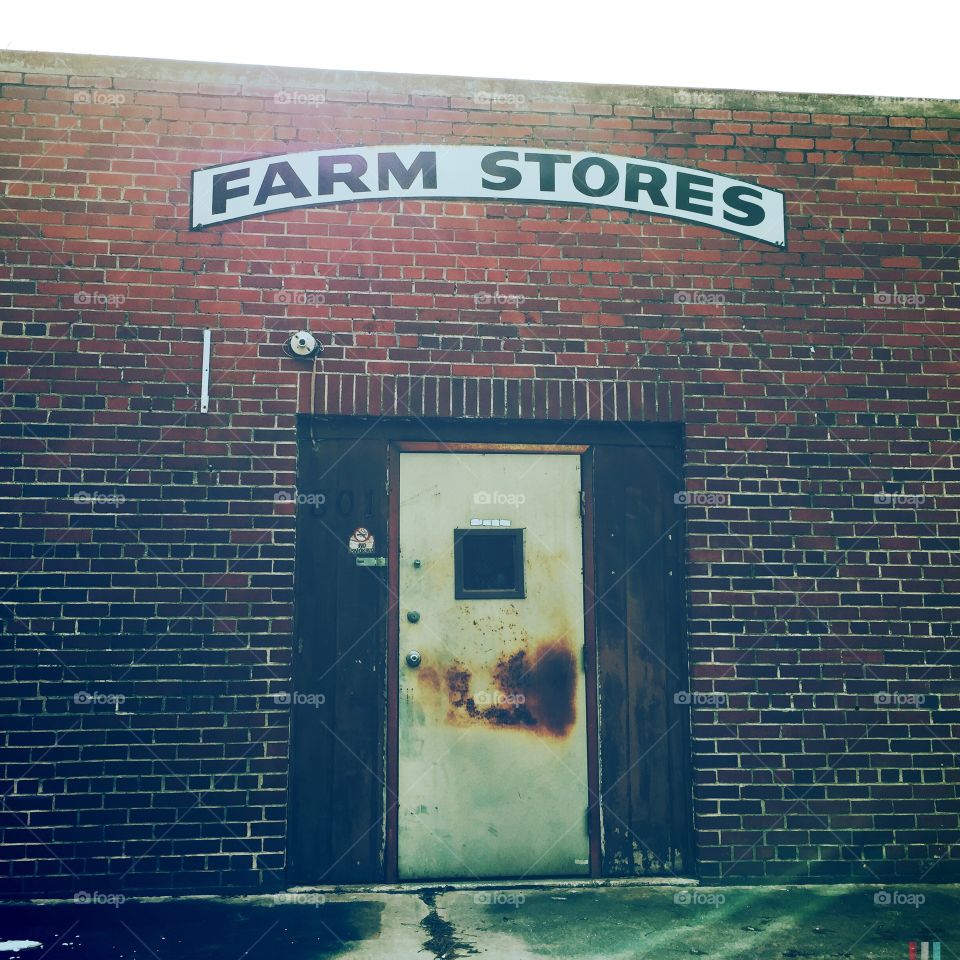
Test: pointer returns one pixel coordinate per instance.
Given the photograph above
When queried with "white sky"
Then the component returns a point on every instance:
(881, 48)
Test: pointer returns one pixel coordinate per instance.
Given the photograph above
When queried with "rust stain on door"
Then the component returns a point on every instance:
(548, 683)
(536, 692)
(429, 677)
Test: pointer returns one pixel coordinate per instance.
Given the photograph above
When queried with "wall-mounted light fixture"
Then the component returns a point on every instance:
(303, 345)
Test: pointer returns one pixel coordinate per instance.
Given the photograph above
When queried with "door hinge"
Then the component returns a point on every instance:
(583, 504)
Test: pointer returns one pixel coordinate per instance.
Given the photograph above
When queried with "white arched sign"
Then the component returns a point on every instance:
(235, 191)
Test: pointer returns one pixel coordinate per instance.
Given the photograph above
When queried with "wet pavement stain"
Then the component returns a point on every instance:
(536, 922)
(442, 942)
(190, 930)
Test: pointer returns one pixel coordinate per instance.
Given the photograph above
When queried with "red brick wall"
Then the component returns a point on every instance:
(808, 381)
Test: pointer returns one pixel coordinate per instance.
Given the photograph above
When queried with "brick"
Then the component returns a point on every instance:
(815, 381)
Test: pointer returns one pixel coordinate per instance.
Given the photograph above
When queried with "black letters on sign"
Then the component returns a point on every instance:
(653, 188)
(390, 165)
(752, 213)
(688, 196)
(492, 164)
(610, 177)
(222, 192)
(328, 174)
(289, 183)
(548, 167)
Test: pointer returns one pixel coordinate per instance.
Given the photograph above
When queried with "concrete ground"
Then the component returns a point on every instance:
(609, 922)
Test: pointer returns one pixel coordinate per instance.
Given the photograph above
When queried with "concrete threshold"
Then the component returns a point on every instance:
(507, 883)
(410, 888)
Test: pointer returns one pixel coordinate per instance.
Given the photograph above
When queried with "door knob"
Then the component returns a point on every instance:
(413, 616)
(413, 658)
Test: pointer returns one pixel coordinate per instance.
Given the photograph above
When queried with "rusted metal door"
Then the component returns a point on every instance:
(492, 761)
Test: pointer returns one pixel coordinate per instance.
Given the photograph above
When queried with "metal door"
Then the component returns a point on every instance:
(492, 761)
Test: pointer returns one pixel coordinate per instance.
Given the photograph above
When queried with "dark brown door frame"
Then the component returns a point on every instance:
(322, 847)
(393, 632)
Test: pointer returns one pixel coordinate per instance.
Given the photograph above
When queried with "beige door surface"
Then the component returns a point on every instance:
(492, 765)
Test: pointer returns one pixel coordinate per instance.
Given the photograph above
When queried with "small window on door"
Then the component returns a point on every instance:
(488, 564)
